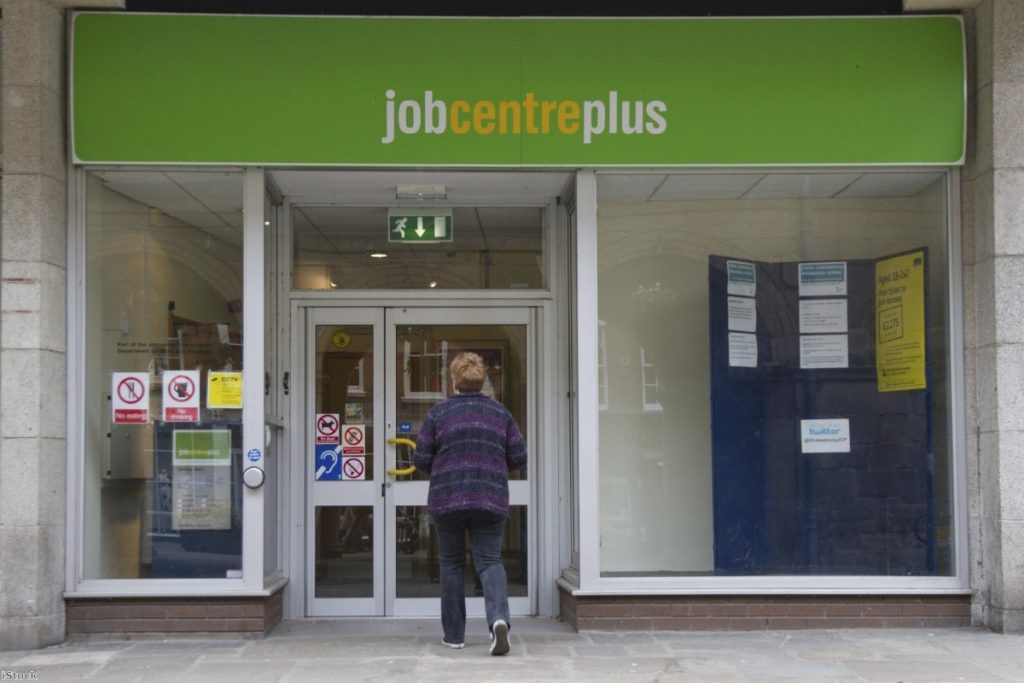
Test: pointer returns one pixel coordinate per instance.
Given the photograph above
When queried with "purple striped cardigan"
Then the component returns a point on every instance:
(468, 444)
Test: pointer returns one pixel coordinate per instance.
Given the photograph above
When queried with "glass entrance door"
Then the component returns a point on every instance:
(373, 375)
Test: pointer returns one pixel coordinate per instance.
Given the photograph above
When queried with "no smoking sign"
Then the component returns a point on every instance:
(353, 469)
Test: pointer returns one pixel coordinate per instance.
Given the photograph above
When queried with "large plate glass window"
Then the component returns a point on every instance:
(774, 374)
(162, 362)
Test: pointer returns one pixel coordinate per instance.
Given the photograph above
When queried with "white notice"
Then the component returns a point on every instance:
(824, 351)
(741, 278)
(823, 279)
(742, 350)
(822, 316)
(825, 436)
(742, 314)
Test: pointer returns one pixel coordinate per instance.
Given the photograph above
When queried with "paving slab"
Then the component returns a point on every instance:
(399, 650)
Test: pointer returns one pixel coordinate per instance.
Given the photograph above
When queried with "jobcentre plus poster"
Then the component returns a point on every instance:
(900, 322)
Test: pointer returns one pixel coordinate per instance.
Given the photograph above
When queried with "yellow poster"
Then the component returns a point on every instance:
(224, 390)
(899, 326)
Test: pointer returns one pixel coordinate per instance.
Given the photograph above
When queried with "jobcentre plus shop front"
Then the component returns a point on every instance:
(712, 266)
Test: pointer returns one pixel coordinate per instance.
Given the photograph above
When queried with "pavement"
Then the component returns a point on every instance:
(341, 651)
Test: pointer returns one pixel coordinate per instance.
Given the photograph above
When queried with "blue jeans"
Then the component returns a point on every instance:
(485, 540)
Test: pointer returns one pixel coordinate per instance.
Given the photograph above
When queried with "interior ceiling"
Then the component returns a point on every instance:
(658, 187)
(527, 8)
(212, 201)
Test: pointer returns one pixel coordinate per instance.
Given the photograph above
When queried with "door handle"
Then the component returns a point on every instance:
(402, 441)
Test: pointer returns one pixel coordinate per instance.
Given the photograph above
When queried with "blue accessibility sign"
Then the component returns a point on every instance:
(254, 455)
(405, 427)
(328, 463)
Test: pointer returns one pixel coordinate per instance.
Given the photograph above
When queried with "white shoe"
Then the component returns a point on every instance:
(454, 646)
(499, 638)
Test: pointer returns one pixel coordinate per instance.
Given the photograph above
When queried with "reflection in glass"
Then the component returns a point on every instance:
(417, 565)
(701, 468)
(164, 298)
(344, 368)
(344, 552)
(424, 353)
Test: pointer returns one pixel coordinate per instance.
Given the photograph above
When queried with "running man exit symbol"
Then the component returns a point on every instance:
(425, 225)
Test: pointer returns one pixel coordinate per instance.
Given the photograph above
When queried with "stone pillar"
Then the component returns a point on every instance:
(994, 321)
(33, 306)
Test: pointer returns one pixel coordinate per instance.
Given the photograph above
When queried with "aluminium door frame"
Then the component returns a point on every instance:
(544, 473)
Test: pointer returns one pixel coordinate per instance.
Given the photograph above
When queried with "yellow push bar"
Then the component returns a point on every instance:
(401, 441)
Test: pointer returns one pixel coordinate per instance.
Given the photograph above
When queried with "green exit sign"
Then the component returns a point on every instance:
(429, 226)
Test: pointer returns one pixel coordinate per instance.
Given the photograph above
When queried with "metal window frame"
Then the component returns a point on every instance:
(253, 581)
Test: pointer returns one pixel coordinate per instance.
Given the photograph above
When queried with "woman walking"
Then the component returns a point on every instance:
(468, 444)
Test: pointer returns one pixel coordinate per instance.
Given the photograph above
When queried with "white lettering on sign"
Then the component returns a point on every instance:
(528, 116)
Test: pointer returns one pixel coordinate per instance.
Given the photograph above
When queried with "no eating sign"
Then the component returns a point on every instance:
(129, 397)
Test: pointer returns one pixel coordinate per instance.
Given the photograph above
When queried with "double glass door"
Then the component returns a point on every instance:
(372, 375)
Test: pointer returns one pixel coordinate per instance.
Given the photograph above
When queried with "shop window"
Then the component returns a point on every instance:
(777, 383)
(162, 364)
(488, 247)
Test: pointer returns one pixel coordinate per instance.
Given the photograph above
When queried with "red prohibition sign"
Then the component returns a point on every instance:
(353, 436)
(353, 468)
(182, 388)
(327, 425)
(130, 390)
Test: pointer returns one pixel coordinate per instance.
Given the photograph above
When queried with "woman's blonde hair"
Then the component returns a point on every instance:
(468, 372)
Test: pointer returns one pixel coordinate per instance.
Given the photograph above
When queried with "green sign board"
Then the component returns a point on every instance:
(149, 88)
(200, 447)
(402, 228)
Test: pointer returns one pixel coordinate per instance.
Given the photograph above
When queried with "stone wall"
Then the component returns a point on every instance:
(33, 314)
(993, 247)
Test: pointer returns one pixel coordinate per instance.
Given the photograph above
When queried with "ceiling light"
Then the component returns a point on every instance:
(421, 192)
(378, 254)
(266, 224)
(433, 283)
